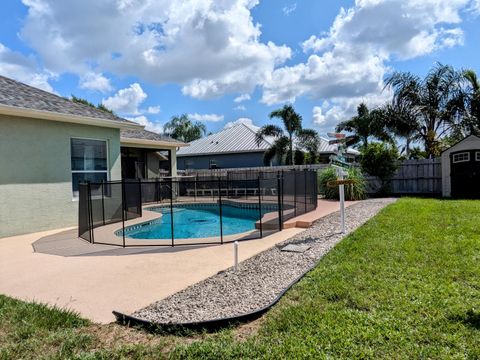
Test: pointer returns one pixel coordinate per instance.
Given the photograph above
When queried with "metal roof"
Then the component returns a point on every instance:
(238, 138)
(148, 135)
(325, 147)
(20, 95)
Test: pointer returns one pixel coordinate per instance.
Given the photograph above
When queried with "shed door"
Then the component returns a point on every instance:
(465, 174)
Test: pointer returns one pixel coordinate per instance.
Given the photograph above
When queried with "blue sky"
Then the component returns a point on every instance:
(224, 60)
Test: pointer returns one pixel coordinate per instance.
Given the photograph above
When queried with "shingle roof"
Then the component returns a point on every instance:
(20, 95)
(147, 135)
(238, 138)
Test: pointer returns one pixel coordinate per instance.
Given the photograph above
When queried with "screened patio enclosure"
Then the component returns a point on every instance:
(141, 163)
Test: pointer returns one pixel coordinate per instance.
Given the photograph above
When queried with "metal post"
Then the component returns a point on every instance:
(90, 213)
(279, 202)
(103, 203)
(305, 195)
(220, 208)
(171, 211)
(260, 207)
(124, 209)
(294, 193)
(195, 193)
(341, 190)
(235, 256)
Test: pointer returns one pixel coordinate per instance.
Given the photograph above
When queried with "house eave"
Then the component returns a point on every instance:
(68, 118)
(149, 144)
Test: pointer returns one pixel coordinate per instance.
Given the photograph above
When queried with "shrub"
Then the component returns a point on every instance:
(355, 191)
(380, 160)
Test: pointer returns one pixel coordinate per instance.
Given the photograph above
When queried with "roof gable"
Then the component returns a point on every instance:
(235, 139)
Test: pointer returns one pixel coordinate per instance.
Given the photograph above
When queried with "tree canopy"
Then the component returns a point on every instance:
(183, 129)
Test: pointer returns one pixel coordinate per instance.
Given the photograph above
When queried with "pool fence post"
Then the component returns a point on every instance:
(220, 208)
(279, 202)
(294, 193)
(235, 256)
(124, 209)
(103, 201)
(305, 179)
(90, 213)
(171, 212)
(260, 207)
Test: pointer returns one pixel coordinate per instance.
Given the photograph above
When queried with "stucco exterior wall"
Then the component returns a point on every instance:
(222, 161)
(35, 172)
(469, 143)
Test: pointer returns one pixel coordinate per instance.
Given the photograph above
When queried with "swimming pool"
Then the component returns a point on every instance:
(192, 221)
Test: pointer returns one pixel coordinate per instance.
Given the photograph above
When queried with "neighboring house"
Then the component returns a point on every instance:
(461, 169)
(233, 147)
(326, 150)
(236, 147)
(48, 144)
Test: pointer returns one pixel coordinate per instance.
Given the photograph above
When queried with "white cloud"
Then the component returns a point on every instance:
(23, 68)
(241, 98)
(330, 113)
(210, 47)
(347, 64)
(240, 108)
(95, 81)
(149, 125)
(206, 117)
(153, 109)
(246, 121)
(288, 9)
(126, 101)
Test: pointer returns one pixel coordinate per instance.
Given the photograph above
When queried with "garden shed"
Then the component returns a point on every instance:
(461, 169)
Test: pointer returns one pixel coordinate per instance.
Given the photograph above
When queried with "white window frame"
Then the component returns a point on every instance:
(477, 155)
(75, 196)
(467, 159)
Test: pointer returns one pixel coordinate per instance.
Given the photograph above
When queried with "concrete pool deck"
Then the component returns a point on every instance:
(96, 279)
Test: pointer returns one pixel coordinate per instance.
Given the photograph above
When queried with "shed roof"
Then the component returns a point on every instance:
(14, 94)
(238, 138)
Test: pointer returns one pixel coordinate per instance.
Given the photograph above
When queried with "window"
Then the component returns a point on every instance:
(212, 164)
(89, 161)
(461, 157)
(477, 156)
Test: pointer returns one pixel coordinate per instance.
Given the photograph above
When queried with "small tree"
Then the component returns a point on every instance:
(380, 160)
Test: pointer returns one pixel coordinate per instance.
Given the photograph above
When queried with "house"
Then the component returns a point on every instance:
(48, 144)
(326, 150)
(232, 147)
(236, 147)
(461, 169)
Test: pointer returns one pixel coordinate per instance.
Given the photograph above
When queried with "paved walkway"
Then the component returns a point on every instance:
(96, 279)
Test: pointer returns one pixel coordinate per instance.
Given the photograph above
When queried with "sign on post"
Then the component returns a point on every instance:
(341, 164)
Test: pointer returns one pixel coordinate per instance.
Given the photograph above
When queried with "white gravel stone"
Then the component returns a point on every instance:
(260, 279)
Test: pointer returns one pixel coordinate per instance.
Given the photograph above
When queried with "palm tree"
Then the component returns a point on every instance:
(402, 123)
(434, 103)
(181, 128)
(472, 97)
(285, 139)
(364, 125)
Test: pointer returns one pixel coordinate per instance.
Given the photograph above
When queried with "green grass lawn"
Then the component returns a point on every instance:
(405, 285)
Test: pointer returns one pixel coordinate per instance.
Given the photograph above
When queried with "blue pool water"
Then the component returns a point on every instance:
(196, 221)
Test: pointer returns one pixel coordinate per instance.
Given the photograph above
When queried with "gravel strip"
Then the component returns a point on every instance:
(261, 278)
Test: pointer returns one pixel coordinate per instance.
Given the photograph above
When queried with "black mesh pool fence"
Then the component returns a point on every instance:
(193, 210)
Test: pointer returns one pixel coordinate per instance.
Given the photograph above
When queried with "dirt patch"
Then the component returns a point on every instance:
(246, 330)
(114, 335)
